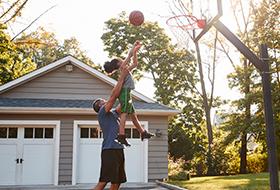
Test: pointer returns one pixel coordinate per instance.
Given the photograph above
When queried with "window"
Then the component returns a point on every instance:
(95, 132)
(48, 133)
(132, 133)
(91, 132)
(8, 132)
(38, 133)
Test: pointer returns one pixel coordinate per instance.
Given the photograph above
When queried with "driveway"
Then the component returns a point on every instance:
(125, 186)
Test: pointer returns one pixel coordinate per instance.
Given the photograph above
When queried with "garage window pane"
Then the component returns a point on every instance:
(84, 132)
(12, 132)
(3, 132)
(48, 133)
(93, 133)
(136, 133)
(127, 132)
(38, 133)
(100, 134)
(28, 133)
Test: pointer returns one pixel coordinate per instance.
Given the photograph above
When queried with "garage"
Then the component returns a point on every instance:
(55, 97)
(28, 153)
(86, 153)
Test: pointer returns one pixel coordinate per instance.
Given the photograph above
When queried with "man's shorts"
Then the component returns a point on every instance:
(112, 166)
(126, 101)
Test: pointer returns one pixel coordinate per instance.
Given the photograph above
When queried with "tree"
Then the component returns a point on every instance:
(14, 62)
(11, 11)
(45, 47)
(266, 30)
(260, 25)
(206, 61)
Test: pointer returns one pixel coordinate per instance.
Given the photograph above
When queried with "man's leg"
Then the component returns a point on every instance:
(100, 186)
(115, 186)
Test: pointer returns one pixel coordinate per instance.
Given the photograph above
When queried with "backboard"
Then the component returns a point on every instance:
(210, 10)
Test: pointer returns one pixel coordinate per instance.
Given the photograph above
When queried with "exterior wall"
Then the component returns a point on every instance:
(157, 150)
(60, 83)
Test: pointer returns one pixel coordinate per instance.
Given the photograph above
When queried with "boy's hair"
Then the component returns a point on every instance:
(111, 66)
(95, 105)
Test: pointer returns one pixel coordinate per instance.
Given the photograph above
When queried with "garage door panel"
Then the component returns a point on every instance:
(37, 164)
(89, 145)
(133, 161)
(7, 164)
(89, 163)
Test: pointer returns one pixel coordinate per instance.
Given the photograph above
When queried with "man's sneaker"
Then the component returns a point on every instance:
(146, 135)
(122, 140)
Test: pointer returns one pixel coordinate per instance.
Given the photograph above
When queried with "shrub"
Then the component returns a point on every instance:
(176, 171)
(179, 175)
(257, 163)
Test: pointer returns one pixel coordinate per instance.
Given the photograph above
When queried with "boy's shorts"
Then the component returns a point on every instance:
(126, 101)
(112, 166)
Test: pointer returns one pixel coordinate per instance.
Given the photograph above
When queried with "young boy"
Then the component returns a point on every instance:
(125, 95)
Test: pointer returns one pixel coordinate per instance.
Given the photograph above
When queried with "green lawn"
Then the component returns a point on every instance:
(244, 181)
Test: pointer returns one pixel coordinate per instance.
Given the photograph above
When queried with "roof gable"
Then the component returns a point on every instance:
(68, 59)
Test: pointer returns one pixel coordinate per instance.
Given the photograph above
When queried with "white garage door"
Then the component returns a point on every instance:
(26, 155)
(89, 152)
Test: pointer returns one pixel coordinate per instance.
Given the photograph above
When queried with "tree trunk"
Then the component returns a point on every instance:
(243, 155)
(207, 109)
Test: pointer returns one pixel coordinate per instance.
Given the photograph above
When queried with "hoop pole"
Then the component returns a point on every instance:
(269, 124)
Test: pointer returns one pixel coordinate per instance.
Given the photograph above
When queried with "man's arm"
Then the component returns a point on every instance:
(116, 91)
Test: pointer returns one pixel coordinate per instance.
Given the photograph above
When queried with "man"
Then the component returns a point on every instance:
(112, 156)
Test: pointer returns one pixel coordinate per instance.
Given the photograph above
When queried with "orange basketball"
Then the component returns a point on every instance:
(136, 18)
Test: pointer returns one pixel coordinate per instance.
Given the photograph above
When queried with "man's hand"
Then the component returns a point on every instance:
(123, 72)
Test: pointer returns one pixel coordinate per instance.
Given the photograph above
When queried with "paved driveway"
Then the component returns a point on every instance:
(125, 186)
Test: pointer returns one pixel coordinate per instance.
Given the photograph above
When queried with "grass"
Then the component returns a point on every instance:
(245, 182)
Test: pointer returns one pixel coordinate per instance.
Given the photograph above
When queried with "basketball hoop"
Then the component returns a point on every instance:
(182, 27)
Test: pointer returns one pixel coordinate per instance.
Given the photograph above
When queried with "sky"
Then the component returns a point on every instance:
(84, 20)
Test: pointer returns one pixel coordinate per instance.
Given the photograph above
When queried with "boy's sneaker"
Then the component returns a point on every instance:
(122, 140)
(146, 135)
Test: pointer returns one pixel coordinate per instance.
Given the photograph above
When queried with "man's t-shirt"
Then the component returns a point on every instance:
(109, 123)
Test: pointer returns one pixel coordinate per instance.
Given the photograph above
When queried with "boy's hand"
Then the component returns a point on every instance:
(138, 45)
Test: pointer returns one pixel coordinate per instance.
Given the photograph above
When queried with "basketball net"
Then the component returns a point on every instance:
(182, 27)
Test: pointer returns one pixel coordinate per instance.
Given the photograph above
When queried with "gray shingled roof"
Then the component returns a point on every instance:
(71, 103)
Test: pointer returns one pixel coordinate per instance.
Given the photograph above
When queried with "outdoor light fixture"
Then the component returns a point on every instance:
(158, 133)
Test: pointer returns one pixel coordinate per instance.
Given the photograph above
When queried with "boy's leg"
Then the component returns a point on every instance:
(144, 133)
(136, 122)
(122, 123)
(121, 138)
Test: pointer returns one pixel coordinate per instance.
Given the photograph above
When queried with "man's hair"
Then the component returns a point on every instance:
(95, 105)
(111, 66)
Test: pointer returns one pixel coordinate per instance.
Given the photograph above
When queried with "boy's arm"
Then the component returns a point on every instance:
(116, 91)
(130, 54)
(135, 59)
